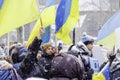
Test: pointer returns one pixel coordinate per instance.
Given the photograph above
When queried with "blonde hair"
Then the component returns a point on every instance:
(47, 45)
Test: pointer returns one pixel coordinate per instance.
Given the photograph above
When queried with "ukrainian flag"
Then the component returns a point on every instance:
(103, 74)
(46, 36)
(47, 18)
(66, 18)
(48, 13)
(1, 2)
(16, 13)
(107, 34)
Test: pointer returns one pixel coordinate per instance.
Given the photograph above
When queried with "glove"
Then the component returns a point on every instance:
(90, 73)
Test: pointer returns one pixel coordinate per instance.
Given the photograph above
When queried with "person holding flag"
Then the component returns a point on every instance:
(111, 69)
(39, 67)
(115, 65)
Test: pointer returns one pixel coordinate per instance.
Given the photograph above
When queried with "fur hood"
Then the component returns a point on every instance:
(82, 47)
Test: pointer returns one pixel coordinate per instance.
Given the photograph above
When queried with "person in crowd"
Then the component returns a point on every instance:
(60, 46)
(17, 53)
(114, 59)
(46, 58)
(84, 49)
(3, 63)
(29, 66)
(66, 67)
(39, 64)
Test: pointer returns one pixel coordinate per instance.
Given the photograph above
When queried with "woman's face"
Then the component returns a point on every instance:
(49, 50)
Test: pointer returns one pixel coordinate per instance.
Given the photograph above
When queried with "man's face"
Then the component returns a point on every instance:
(49, 50)
(90, 46)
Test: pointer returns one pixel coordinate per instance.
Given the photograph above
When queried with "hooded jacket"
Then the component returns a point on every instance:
(85, 55)
(66, 67)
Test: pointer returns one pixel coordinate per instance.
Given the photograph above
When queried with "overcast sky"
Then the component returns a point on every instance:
(96, 5)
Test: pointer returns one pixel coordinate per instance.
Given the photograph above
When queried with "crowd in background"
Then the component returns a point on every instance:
(52, 63)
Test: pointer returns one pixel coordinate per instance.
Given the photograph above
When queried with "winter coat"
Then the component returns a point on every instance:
(66, 67)
(45, 61)
(85, 55)
(33, 68)
(115, 75)
(29, 66)
(35, 46)
(115, 67)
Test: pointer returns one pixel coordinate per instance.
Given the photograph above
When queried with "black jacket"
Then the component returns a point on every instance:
(29, 66)
(85, 54)
(45, 61)
(115, 67)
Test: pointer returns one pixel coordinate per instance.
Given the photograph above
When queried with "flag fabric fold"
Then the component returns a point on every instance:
(1, 2)
(103, 74)
(46, 36)
(9, 74)
(16, 13)
(67, 16)
(48, 13)
(107, 34)
(47, 18)
(34, 33)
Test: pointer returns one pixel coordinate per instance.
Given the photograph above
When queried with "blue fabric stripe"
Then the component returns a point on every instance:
(8, 74)
(109, 26)
(49, 3)
(46, 35)
(62, 14)
(106, 73)
(1, 2)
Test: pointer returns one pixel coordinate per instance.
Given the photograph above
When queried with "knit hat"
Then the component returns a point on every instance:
(87, 38)
(22, 50)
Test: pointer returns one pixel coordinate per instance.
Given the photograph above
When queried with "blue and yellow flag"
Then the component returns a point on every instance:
(48, 13)
(66, 18)
(46, 36)
(47, 18)
(107, 35)
(103, 74)
(1, 2)
(16, 13)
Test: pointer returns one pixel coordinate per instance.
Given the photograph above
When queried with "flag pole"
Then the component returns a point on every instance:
(74, 36)
(104, 68)
(37, 1)
(39, 11)
(74, 30)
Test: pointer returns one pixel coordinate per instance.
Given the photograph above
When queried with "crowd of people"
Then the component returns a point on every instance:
(51, 63)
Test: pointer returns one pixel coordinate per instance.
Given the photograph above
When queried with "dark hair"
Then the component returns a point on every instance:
(17, 54)
(88, 42)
